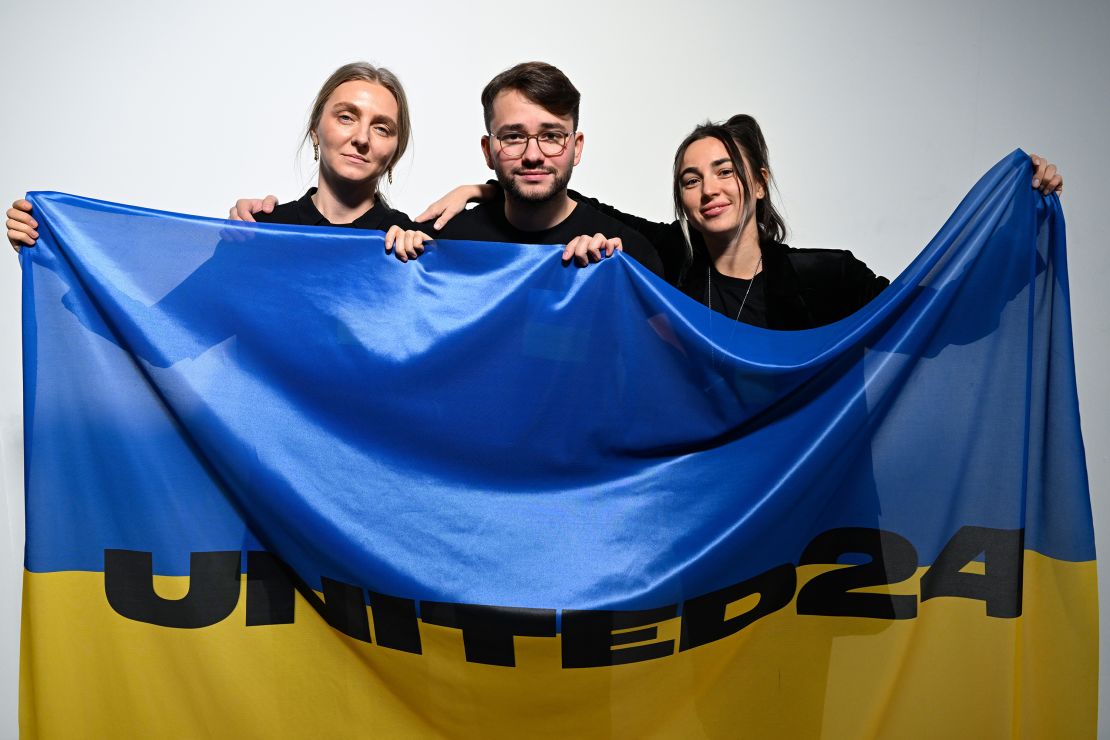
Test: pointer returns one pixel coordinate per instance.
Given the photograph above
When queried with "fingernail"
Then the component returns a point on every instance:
(1036, 182)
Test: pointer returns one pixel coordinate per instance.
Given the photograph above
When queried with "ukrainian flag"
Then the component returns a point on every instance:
(279, 485)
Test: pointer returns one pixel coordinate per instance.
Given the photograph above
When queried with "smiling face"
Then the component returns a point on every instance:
(712, 196)
(357, 134)
(532, 176)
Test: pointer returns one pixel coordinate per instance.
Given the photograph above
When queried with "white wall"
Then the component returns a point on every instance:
(879, 118)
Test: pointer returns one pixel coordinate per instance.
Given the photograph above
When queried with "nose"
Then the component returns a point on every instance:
(361, 137)
(532, 151)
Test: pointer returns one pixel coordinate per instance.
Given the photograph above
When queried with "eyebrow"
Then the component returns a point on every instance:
(712, 165)
(383, 118)
(543, 127)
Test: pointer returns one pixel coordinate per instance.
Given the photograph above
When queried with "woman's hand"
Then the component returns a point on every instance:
(586, 249)
(452, 204)
(408, 244)
(245, 208)
(22, 228)
(1045, 177)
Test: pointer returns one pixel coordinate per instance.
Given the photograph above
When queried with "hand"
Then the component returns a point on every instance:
(245, 208)
(452, 204)
(586, 249)
(409, 244)
(1045, 177)
(22, 229)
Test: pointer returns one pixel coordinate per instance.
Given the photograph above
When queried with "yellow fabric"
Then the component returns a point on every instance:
(87, 672)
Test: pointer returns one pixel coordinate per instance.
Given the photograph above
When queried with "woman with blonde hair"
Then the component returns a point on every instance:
(359, 128)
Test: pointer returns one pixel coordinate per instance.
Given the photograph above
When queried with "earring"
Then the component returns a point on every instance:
(315, 151)
(389, 175)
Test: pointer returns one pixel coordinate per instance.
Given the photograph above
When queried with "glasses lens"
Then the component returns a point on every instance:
(513, 144)
(552, 142)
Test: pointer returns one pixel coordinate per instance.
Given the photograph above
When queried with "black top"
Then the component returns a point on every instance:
(797, 288)
(303, 212)
(487, 222)
(735, 297)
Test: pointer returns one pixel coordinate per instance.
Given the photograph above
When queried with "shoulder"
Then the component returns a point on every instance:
(393, 217)
(633, 243)
(818, 268)
(283, 213)
(592, 221)
(473, 223)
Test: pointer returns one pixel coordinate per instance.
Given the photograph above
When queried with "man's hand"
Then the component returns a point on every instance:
(408, 244)
(22, 229)
(245, 208)
(586, 249)
(1045, 177)
(452, 204)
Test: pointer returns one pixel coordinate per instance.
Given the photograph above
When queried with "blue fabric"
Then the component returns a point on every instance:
(486, 425)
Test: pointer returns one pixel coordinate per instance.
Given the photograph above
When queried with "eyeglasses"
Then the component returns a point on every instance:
(551, 143)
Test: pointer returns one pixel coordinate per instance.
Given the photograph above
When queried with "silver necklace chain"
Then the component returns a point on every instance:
(709, 286)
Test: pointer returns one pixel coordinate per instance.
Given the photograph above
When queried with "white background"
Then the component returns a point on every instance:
(879, 116)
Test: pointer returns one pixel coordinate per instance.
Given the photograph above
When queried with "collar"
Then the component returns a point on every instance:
(309, 215)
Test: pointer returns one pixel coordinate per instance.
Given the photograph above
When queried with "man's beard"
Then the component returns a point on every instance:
(558, 184)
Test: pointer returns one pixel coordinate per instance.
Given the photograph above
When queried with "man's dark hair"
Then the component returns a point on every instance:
(543, 84)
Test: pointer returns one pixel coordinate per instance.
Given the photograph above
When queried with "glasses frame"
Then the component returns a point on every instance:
(528, 137)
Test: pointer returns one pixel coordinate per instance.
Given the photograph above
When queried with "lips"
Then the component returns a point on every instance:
(714, 209)
(534, 175)
(355, 159)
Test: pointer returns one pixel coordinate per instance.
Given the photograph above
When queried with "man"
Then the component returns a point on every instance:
(533, 144)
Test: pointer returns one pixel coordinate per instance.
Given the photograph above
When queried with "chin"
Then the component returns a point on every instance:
(717, 229)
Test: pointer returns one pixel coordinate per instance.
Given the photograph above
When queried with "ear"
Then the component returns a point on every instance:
(486, 144)
(314, 138)
(761, 187)
(579, 142)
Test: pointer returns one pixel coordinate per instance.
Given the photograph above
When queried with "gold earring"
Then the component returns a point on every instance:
(315, 151)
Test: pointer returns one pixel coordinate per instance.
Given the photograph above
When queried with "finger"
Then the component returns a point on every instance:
(449, 211)
(612, 245)
(1038, 169)
(399, 250)
(268, 203)
(22, 205)
(244, 211)
(582, 254)
(597, 243)
(19, 238)
(582, 250)
(22, 217)
(22, 227)
(391, 237)
(1047, 178)
(431, 212)
(406, 243)
(569, 249)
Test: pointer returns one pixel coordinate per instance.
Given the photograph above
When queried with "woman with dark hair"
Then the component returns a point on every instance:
(725, 249)
(359, 127)
(730, 235)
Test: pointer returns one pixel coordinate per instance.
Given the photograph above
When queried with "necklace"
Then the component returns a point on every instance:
(709, 286)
